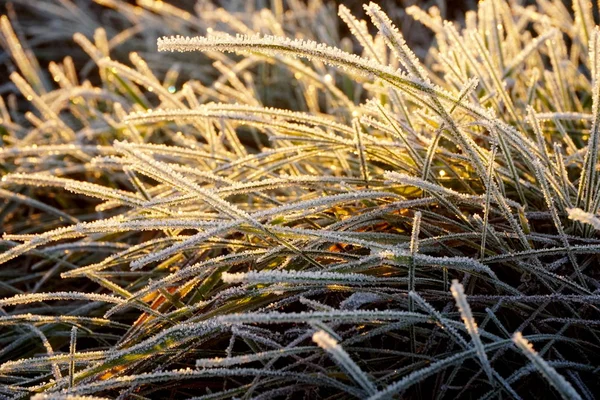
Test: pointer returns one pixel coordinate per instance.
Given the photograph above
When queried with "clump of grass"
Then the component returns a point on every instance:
(293, 216)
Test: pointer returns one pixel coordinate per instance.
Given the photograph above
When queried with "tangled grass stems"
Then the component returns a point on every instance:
(283, 211)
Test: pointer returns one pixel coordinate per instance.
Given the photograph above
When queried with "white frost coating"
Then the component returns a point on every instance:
(331, 346)
(42, 361)
(360, 31)
(283, 276)
(245, 359)
(358, 299)
(280, 46)
(38, 297)
(429, 308)
(63, 396)
(530, 48)
(122, 225)
(405, 179)
(554, 378)
(32, 318)
(396, 42)
(459, 263)
(274, 45)
(87, 188)
(458, 293)
(324, 340)
(39, 240)
(577, 214)
(308, 317)
(270, 118)
(219, 110)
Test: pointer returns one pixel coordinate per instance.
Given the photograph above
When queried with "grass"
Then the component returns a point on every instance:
(285, 212)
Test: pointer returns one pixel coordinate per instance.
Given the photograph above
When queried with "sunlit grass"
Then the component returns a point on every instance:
(284, 212)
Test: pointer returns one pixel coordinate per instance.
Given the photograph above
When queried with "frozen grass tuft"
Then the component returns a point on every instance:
(283, 211)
